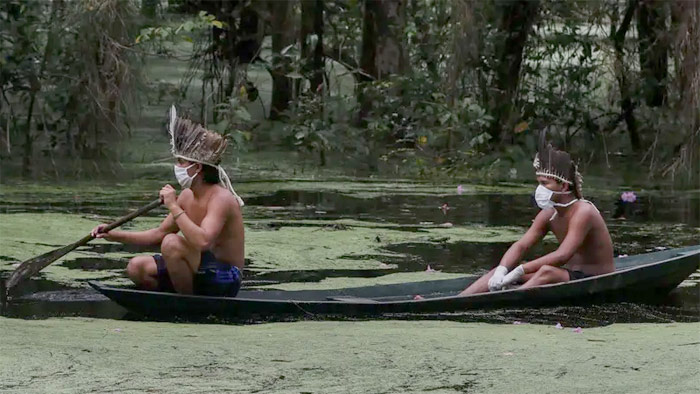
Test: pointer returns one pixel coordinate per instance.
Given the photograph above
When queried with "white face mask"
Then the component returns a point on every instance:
(543, 197)
(182, 177)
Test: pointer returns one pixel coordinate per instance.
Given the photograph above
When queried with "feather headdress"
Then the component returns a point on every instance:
(557, 164)
(192, 142)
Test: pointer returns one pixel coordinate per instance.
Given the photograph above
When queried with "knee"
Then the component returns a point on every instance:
(135, 267)
(547, 272)
(171, 245)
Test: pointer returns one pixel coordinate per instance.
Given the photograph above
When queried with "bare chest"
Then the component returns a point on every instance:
(196, 211)
(560, 227)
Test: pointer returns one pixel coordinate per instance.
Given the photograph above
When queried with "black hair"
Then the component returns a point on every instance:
(210, 174)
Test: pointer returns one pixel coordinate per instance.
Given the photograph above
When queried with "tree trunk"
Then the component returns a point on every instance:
(686, 21)
(383, 48)
(35, 82)
(312, 25)
(368, 53)
(517, 18)
(282, 36)
(465, 45)
(226, 41)
(391, 56)
(148, 8)
(653, 50)
(236, 44)
(688, 56)
(240, 41)
(28, 139)
(250, 36)
(626, 104)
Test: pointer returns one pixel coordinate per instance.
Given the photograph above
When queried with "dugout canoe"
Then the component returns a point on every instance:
(639, 276)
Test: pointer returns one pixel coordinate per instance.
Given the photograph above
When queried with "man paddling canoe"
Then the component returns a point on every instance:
(585, 248)
(208, 258)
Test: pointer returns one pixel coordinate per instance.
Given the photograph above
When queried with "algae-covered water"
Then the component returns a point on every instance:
(306, 234)
(346, 357)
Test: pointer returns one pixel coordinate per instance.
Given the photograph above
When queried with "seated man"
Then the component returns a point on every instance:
(209, 256)
(585, 248)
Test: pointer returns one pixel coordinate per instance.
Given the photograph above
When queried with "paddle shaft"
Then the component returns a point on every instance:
(36, 264)
(154, 204)
(124, 219)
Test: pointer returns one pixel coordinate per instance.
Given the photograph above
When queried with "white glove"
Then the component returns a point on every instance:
(495, 280)
(513, 276)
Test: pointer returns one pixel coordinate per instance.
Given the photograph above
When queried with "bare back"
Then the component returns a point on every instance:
(595, 254)
(229, 245)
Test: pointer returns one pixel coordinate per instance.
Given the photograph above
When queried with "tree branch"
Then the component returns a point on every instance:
(619, 35)
(347, 61)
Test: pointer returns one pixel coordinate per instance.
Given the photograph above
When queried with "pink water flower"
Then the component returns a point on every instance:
(444, 208)
(460, 190)
(418, 297)
(559, 326)
(577, 330)
(628, 197)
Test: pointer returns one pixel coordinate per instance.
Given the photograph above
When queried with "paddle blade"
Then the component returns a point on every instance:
(36, 264)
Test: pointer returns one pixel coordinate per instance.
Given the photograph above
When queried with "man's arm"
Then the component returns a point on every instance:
(204, 236)
(492, 281)
(534, 234)
(579, 226)
(153, 236)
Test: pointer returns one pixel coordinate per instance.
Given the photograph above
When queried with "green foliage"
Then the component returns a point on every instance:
(343, 31)
(319, 124)
(564, 76)
(428, 31)
(421, 119)
(416, 125)
(189, 30)
(309, 127)
(233, 120)
(68, 77)
(69, 72)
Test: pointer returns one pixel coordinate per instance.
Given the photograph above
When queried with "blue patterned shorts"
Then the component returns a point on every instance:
(213, 278)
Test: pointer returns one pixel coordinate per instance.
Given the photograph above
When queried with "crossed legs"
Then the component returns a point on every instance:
(181, 259)
(545, 275)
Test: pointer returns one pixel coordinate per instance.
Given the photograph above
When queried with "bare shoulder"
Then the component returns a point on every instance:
(185, 196)
(541, 222)
(543, 216)
(227, 200)
(585, 210)
(586, 216)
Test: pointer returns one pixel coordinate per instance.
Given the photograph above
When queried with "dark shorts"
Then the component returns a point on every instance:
(213, 278)
(574, 275)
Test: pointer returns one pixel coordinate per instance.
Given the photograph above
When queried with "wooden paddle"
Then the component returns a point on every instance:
(36, 264)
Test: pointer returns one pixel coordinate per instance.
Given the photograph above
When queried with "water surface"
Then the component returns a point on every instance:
(651, 223)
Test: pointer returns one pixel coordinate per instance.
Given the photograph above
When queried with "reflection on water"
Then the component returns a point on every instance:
(651, 222)
(484, 208)
(492, 209)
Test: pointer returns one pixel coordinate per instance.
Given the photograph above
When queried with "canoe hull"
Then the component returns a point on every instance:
(645, 276)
